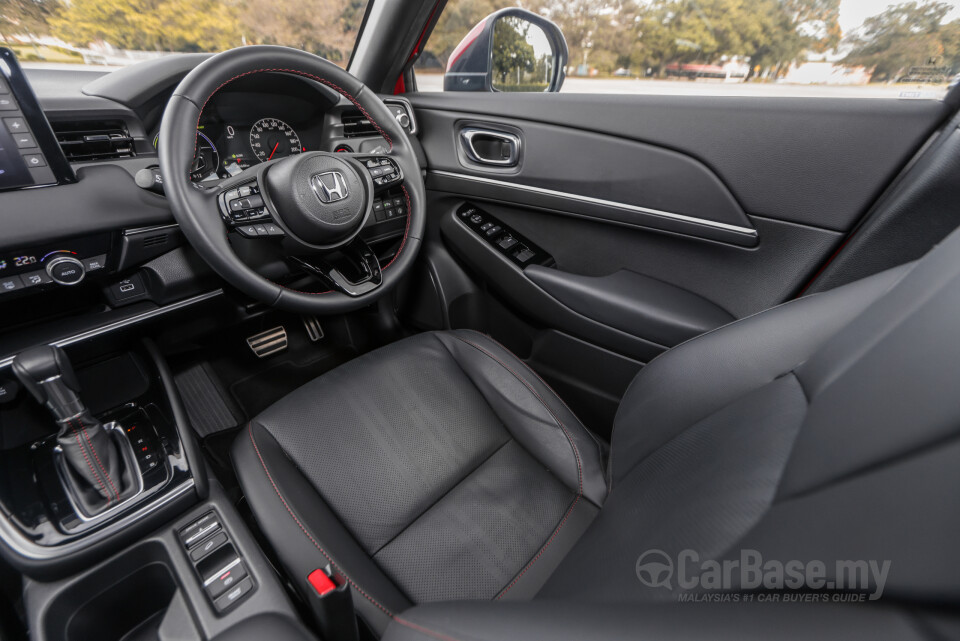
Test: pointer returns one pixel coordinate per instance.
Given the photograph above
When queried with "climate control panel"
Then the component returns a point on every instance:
(62, 265)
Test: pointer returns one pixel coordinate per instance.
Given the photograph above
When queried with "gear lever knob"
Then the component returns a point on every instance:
(46, 371)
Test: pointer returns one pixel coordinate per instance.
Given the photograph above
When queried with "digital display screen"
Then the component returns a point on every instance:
(13, 170)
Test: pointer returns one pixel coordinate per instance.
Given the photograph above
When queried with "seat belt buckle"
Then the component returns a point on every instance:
(330, 600)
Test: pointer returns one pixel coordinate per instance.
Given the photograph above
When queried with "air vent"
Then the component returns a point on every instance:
(356, 125)
(84, 141)
(156, 240)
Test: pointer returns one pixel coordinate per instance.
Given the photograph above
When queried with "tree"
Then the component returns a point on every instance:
(456, 21)
(512, 54)
(905, 35)
(26, 16)
(161, 25)
(325, 27)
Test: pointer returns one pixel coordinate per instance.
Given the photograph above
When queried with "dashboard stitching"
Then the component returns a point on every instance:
(349, 97)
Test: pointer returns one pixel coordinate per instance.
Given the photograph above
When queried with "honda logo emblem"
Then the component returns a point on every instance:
(329, 186)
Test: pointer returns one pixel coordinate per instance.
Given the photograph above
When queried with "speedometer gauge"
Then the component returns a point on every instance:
(271, 138)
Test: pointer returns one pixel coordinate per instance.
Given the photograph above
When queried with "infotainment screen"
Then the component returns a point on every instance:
(29, 153)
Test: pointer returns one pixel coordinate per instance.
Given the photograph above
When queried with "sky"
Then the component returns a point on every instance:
(854, 12)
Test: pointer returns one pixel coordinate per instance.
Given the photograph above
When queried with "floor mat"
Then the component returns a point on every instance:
(208, 410)
(259, 391)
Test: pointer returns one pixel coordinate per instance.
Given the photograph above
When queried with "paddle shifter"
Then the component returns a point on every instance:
(94, 460)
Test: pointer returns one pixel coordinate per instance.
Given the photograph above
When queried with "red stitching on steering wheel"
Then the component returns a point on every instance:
(373, 122)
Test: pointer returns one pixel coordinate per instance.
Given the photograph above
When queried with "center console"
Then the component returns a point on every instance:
(106, 456)
(167, 556)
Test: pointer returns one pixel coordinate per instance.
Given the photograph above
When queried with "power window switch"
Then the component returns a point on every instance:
(524, 254)
(507, 242)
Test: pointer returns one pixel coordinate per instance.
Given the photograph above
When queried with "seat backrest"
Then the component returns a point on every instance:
(822, 430)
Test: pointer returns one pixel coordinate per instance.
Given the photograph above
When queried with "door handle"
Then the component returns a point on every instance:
(488, 147)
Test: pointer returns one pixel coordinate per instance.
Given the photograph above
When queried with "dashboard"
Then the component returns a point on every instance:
(80, 227)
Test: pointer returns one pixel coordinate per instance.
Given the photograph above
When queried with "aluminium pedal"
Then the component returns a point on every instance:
(269, 342)
(312, 325)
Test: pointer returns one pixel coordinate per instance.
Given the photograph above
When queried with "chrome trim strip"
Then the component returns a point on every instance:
(133, 320)
(144, 230)
(747, 231)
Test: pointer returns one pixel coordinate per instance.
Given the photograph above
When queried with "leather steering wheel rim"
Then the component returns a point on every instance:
(194, 206)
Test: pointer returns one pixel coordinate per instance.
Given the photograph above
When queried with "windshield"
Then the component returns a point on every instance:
(122, 32)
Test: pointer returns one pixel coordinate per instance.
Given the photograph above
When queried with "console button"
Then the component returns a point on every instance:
(15, 125)
(234, 595)
(209, 546)
(8, 391)
(24, 140)
(7, 103)
(34, 160)
(39, 277)
(227, 578)
(65, 270)
(95, 263)
(205, 525)
(3, 87)
(10, 283)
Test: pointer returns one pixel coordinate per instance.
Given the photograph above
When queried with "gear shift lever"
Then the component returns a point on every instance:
(97, 471)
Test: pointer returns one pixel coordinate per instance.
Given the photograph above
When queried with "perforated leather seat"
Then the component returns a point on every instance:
(441, 468)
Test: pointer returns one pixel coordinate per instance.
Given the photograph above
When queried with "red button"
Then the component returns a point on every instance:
(321, 582)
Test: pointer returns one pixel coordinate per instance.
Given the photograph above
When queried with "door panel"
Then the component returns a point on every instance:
(818, 162)
(608, 178)
(655, 217)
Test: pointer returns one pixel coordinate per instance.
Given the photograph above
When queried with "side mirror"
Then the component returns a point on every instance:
(509, 50)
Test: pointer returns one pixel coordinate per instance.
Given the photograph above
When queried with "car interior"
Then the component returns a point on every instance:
(294, 351)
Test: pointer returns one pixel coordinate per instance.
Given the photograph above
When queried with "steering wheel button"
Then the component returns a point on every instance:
(248, 231)
(233, 194)
(261, 230)
(245, 191)
(273, 230)
(378, 205)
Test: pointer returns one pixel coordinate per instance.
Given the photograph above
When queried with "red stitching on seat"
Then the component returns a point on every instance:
(87, 459)
(357, 104)
(576, 455)
(304, 530)
(414, 626)
(106, 474)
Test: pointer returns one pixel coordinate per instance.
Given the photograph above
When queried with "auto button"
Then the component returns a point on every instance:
(66, 270)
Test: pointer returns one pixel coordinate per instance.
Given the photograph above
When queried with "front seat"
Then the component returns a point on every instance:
(442, 468)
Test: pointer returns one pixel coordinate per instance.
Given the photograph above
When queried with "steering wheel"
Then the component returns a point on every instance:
(311, 206)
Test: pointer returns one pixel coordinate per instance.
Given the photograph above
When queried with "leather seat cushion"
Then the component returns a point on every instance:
(445, 460)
